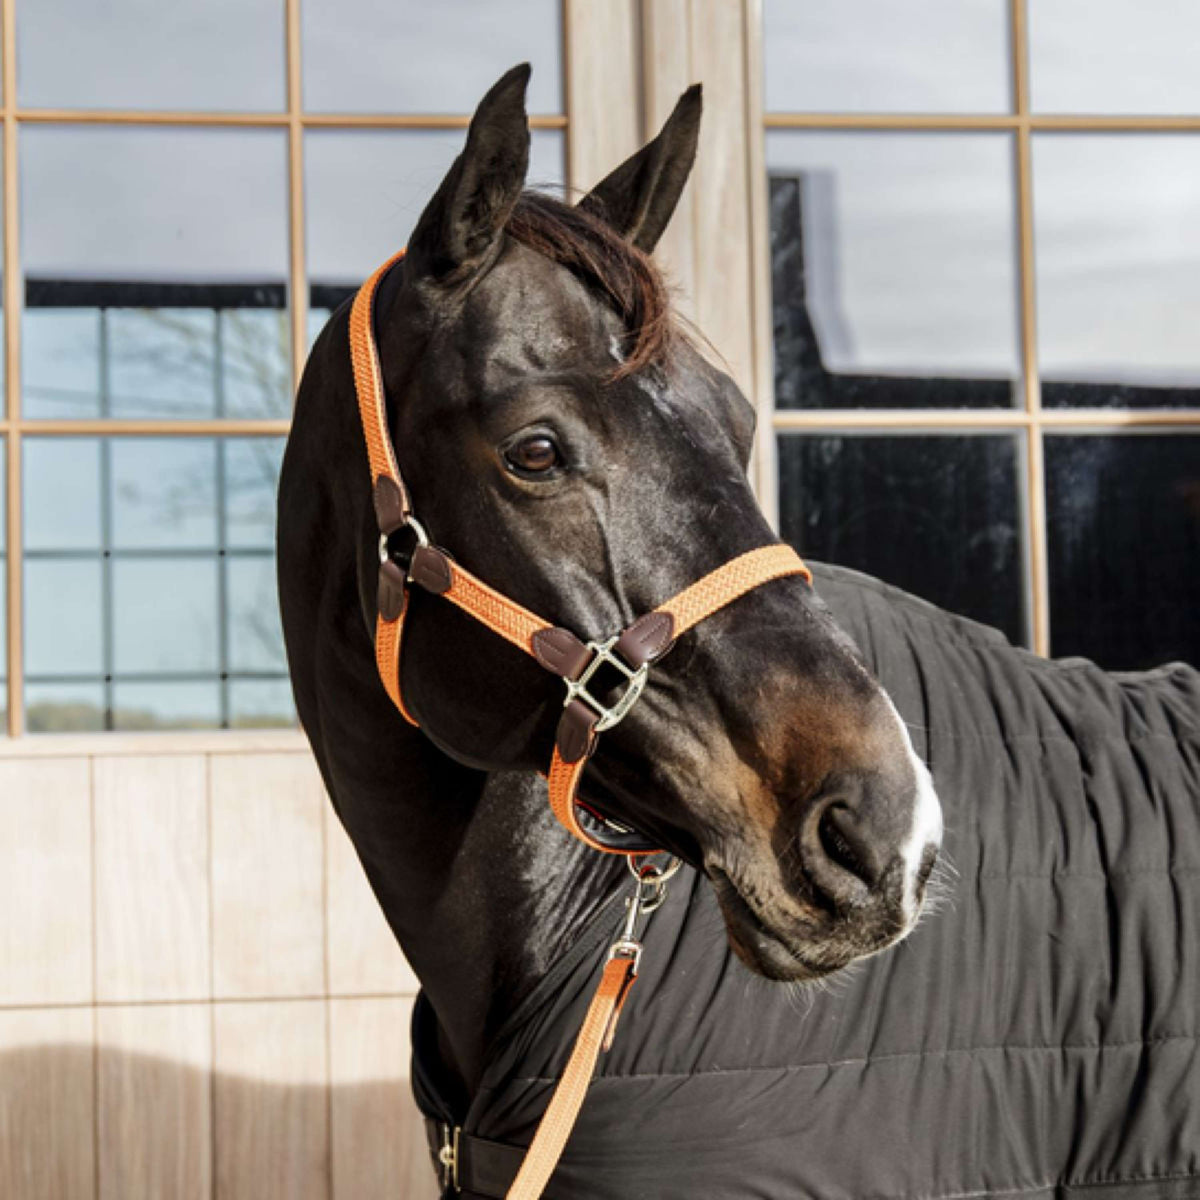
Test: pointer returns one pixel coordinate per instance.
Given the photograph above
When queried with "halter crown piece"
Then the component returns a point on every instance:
(629, 651)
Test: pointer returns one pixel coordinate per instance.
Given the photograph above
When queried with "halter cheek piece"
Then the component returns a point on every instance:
(630, 652)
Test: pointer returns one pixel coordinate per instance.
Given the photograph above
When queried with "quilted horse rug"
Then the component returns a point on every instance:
(1036, 1037)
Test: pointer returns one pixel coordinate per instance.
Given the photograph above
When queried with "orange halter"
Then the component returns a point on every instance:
(630, 651)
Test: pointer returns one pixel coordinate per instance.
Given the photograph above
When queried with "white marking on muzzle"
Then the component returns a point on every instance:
(927, 820)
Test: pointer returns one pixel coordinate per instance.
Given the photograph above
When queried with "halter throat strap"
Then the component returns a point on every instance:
(408, 557)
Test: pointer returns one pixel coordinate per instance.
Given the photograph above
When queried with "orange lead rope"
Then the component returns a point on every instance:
(631, 651)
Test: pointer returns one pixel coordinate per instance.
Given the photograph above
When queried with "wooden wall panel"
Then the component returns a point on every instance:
(267, 869)
(152, 900)
(722, 229)
(271, 1095)
(154, 1099)
(667, 66)
(378, 1142)
(47, 1114)
(45, 882)
(603, 87)
(364, 957)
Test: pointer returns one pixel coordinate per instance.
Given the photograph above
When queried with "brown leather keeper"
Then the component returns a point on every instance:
(391, 504)
(390, 597)
(574, 737)
(560, 651)
(431, 569)
(648, 638)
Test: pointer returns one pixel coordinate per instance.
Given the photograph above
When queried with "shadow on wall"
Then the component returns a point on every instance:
(78, 1122)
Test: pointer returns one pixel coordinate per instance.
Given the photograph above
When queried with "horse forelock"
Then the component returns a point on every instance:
(607, 264)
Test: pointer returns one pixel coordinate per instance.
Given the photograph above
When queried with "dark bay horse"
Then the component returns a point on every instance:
(564, 442)
(569, 446)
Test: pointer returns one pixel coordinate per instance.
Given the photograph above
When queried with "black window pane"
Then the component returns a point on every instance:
(1124, 548)
(936, 515)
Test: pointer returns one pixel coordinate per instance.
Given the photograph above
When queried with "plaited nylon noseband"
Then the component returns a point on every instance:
(631, 651)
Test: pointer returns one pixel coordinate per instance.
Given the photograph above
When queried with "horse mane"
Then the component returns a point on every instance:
(605, 262)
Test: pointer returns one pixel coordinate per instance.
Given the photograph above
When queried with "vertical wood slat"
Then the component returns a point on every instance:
(378, 1138)
(364, 957)
(12, 374)
(764, 470)
(297, 269)
(1035, 502)
(667, 71)
(602, 88)
(722, 216)
(267, 872)
(154, 1098)
(47, 1105)
(271, 1092)
(45, 882)
(152, 897)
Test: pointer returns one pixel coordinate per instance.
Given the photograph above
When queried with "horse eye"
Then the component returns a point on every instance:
(533, 455)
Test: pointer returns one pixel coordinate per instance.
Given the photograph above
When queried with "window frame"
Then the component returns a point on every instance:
(1029, 420)
(296, 121)
(625, 63)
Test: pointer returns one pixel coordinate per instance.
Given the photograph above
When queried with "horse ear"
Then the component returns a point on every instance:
(462, 222)
(639, 197)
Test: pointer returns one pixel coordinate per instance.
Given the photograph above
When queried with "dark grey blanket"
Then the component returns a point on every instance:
(1036, 1037)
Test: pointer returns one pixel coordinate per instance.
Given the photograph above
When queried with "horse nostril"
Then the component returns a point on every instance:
(845, 846)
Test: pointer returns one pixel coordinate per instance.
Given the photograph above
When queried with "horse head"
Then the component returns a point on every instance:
(566, 442)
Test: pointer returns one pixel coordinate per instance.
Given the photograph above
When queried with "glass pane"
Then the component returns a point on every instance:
(365, 191)
(188, 54)
(884, 56)
(165, 615)
(251, 482)
(64, 707)
(163, 493)
(1124, 548)
(166, 706)
(150, 581)
(1118, 269)
(64, 618)
(255, 634)
(255, 368)
(893, 270)
(161, 362)
(935, 515)
(157, 305)
(411, 56)
(256, 704)
(1114, 56)
(60, 351)
(62, 491)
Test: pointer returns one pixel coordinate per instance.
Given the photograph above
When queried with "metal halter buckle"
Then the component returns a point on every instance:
(635, 678)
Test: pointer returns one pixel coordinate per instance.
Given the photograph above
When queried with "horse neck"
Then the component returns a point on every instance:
(480, 885)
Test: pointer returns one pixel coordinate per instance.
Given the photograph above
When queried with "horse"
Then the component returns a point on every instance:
(566, 443)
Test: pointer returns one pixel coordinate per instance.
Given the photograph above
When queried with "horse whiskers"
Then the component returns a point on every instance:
(940, 890)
